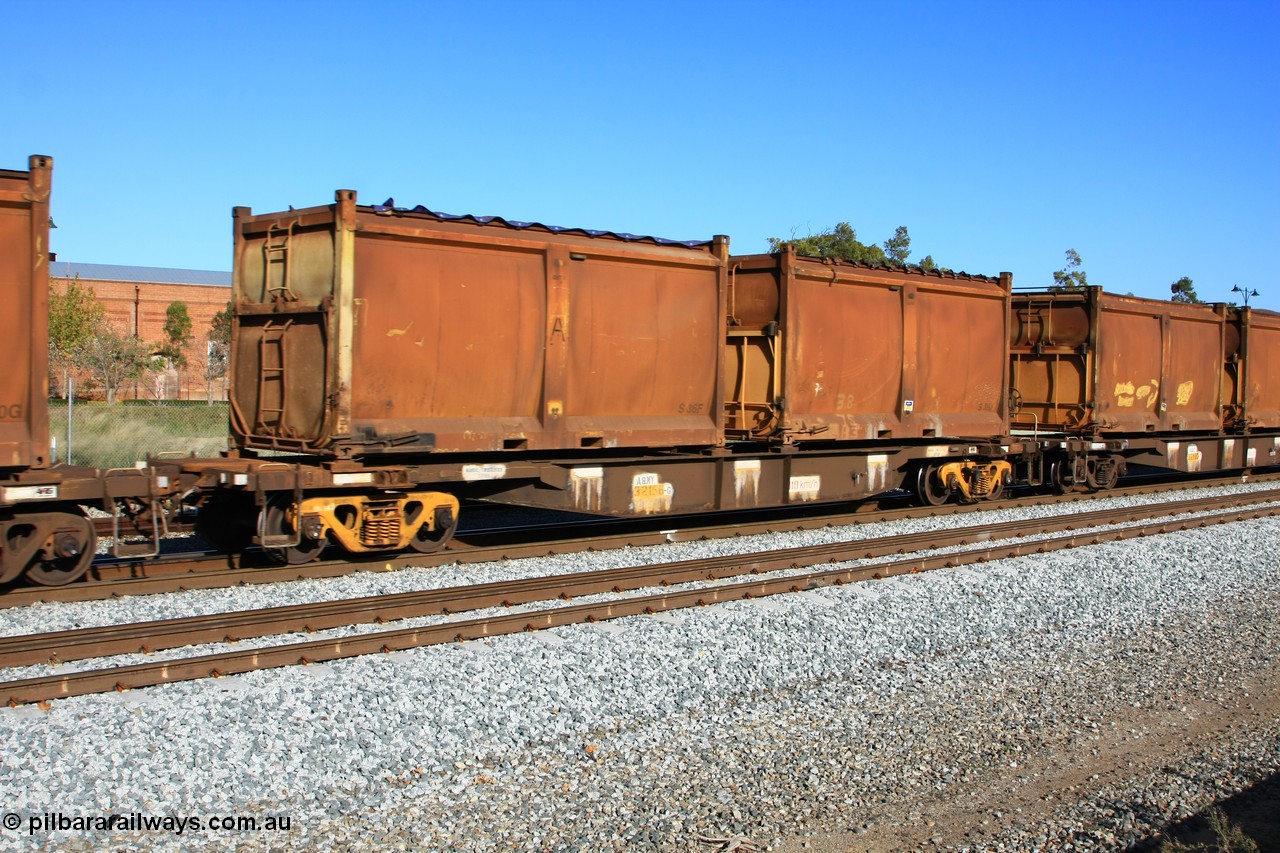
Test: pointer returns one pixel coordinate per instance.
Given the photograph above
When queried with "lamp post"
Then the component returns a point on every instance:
(1244, 293)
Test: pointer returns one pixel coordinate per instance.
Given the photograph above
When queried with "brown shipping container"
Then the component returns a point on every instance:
(831, 350)
(1086, 360)
(24, 322)
(372, 329)
(1253, 352)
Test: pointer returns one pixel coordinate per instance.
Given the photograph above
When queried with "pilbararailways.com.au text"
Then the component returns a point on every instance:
(138, 822)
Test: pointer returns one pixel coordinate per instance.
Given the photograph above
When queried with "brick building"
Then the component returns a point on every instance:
(136, 299)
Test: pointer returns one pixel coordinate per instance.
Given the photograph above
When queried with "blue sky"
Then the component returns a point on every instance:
(1144, 135)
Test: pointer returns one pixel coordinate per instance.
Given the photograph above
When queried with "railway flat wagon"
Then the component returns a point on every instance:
(45, 536)
(1158, 383)
(1093, 361)
(24, 327)
(367, 331)
(902, 370)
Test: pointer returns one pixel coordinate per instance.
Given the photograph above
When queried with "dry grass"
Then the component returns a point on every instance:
(117, 436)
(1228, 838)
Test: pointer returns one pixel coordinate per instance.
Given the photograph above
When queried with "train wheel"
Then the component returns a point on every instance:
(67, 554)
(930, 490)
(430, 541)
(1058, 470)
(277, 520)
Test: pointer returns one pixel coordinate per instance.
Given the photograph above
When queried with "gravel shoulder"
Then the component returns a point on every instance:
(1109, 773)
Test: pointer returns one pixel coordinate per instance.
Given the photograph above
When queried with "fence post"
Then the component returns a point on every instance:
(70, 401)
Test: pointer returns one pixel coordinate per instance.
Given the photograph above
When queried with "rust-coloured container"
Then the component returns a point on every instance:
(1093, 361)
(362, 330)
(831, 350)
(24, 322)
(1252, 374)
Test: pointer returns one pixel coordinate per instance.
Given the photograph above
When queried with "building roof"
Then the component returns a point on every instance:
(155, 275)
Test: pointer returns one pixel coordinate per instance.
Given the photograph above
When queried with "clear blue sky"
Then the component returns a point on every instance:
(1144, 135)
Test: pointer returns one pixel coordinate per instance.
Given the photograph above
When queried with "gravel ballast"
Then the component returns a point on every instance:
(846, 716)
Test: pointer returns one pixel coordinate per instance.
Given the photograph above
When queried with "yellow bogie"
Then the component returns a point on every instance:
(365, 523)
(976, 480)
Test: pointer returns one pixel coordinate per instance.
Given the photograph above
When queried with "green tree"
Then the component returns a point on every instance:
(74, 316)
(840, 243)
(172, 352)
(177, 334)
(113, 359)
(219, 350)
(898, 246)
(1070, 277)
(1183, 291)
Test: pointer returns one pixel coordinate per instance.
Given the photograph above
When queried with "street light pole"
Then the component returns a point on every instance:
(1245, 293)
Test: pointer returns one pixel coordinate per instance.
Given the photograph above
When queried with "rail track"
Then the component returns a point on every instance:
(810, 565)
(207, 570)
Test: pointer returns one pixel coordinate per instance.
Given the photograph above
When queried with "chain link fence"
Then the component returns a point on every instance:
(102, 436)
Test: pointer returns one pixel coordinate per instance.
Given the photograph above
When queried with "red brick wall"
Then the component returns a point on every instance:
(147, 302)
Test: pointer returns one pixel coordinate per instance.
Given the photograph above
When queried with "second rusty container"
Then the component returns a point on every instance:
(824, 350)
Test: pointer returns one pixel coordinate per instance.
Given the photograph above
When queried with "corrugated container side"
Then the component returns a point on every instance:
(24, 322)
(394, 331)
(1158, 365)
(1261, 357)
(834, 351)
(1090, 359)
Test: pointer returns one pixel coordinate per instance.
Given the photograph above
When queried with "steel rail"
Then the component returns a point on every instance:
(144, 637)
(210, 571)
(148, 674)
